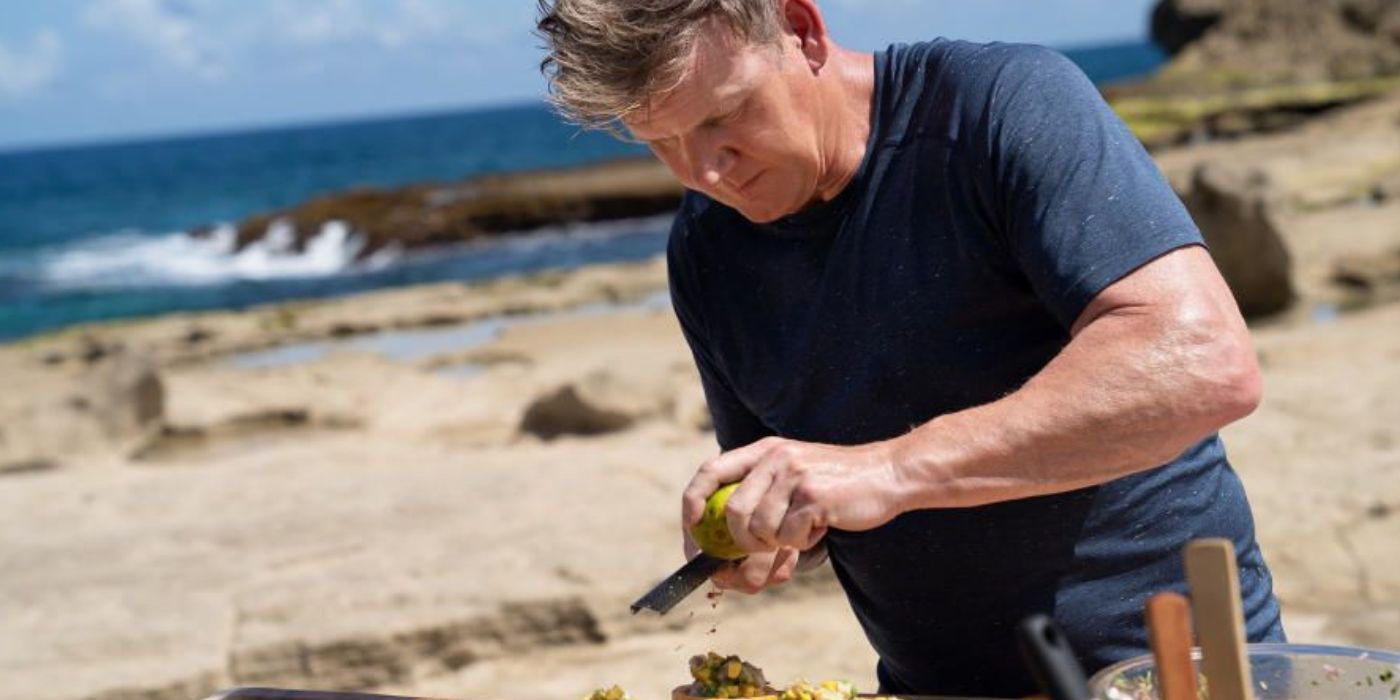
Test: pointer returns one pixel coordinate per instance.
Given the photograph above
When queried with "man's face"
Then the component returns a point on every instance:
(739, 126)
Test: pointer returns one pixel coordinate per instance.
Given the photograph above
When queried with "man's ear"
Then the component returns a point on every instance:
(807, 28)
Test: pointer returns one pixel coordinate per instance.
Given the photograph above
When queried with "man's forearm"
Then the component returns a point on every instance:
(1129, 393)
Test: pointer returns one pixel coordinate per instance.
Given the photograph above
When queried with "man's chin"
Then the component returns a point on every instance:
(764, 218)
(759, 214)
(754, 212)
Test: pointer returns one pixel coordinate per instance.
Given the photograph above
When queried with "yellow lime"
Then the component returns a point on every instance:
(712, 532)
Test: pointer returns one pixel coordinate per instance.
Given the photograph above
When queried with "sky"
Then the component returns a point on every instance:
(93, 70)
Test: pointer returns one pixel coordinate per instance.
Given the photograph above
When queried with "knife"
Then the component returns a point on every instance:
(698, 570)
(680, 584)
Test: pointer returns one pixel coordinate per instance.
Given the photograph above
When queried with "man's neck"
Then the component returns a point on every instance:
(847, 117)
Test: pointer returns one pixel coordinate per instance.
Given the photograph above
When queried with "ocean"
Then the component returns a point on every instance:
(98, 232)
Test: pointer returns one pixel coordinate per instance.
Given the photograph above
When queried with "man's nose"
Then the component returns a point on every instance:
(709, 161)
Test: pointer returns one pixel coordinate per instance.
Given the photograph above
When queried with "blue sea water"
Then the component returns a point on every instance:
(97, 232)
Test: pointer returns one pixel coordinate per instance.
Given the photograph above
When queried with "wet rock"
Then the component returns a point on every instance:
(439, 214)
(1236, 210)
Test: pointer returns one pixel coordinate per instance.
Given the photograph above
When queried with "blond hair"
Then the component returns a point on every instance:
(606, 57)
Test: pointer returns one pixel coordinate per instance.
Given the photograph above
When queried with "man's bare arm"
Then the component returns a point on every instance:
(1158, 360)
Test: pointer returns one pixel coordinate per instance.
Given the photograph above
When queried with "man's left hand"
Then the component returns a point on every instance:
(792, 491)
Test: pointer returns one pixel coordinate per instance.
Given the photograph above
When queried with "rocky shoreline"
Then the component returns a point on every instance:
(428, 215)
(173, 521)
(358, 521)
(1239, 69)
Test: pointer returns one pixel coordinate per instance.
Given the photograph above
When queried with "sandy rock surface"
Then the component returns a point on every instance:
(348, 494)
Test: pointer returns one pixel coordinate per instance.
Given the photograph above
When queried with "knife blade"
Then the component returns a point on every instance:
(674, 588)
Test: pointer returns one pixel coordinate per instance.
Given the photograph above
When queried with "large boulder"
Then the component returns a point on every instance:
(1247, 66)
(1237, 211)
(1262, 42)
(1176, 24)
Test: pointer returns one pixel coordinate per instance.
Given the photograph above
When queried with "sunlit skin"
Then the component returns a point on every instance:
(767, 130)
(1157, 361)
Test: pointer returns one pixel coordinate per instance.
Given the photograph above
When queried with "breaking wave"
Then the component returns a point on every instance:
(130, 259)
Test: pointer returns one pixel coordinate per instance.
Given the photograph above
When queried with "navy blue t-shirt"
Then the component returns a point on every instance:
(998, 195)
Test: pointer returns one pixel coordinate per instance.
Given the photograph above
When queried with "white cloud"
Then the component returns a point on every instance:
(170, 28)
(306, 23)
(24, 71)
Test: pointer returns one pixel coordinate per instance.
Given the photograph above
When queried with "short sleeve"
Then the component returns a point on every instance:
(735, 425)
(1080, 201)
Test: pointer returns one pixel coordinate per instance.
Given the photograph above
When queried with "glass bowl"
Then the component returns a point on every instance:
(1280, 671)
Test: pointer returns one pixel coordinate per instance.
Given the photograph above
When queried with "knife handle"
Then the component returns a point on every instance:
(812, 558)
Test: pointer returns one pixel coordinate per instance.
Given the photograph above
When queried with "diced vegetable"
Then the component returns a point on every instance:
(612, 692)
(826, 690)
(726, 677)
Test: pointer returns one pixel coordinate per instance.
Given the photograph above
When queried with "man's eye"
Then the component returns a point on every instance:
(721, 120)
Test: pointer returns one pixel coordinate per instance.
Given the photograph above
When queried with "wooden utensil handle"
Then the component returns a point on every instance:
(1169, 630)
(1219, 617)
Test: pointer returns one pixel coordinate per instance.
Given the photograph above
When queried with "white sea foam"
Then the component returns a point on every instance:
(130, 259)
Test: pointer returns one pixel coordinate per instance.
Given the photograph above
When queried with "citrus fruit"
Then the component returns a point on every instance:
(711, 534)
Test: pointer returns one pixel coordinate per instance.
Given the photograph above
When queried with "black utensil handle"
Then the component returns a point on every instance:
(1051, 661)
(677, 586)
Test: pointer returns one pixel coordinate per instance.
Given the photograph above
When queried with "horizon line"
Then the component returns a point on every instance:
(307, 122)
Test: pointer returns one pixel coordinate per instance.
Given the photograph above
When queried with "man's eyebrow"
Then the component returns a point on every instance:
(723, 109)
(730, 109)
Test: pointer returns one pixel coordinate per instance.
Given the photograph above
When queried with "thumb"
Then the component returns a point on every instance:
(688, 545)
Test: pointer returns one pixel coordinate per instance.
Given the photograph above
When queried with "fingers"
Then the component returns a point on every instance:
(738, 512)
(783, 566)
(772, 508)
(758, 571)
(799, 529)
(731, 577)
(727, 468)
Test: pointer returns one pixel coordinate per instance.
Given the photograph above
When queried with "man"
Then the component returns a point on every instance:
(948, 316)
